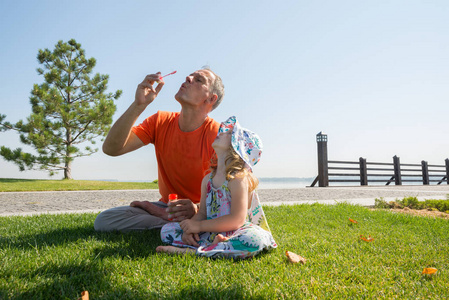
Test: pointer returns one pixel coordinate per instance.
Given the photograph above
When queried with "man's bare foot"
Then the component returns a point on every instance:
(219, 238)
(151, 208)
(174, 250)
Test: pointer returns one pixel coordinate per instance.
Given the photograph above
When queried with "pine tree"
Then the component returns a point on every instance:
(69, 109)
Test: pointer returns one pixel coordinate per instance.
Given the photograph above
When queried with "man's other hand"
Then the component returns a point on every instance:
(181, 209)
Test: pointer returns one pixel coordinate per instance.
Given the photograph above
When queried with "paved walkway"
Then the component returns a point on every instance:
(31, 203)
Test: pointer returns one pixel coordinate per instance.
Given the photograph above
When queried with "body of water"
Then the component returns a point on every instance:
(284, 183)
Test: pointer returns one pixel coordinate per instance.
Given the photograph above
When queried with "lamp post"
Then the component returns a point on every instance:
(323, 173)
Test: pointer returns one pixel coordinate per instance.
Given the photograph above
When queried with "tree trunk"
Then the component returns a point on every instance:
(68, 170)
(68, 161)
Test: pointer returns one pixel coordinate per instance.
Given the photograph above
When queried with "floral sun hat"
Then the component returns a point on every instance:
(246, 143)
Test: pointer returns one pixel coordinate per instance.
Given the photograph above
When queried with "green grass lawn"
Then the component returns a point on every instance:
(27, 185)
(59, 256)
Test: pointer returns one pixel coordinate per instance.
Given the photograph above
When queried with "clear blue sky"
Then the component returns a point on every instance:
(373, 75)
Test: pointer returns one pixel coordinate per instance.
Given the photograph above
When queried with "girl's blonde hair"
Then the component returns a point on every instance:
(235, 167)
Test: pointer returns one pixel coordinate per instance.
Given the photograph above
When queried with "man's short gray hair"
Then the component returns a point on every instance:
(217, 87)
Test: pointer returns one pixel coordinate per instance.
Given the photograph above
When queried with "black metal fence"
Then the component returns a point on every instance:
(365, 172)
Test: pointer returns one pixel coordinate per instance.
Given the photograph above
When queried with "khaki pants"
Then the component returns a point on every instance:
(127, 218)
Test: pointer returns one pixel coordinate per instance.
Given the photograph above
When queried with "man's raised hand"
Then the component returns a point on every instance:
(146, 92)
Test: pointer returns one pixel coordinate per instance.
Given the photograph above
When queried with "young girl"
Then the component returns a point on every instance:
(230, 222)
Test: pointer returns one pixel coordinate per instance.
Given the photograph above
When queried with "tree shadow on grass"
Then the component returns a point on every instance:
(131, 244)
(58, 274)
(67, 281)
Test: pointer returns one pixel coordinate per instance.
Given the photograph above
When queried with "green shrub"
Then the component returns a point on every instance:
(411, 202)
(381, 203)
(441, 205)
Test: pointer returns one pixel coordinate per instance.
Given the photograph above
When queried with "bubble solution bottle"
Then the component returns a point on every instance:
(170, 198)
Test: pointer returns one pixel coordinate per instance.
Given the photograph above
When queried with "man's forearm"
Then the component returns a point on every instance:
(120, 131)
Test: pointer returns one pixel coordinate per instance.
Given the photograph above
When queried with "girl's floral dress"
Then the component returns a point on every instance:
(247, 241)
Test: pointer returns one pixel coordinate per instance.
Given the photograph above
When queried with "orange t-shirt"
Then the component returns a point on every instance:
(183, 158)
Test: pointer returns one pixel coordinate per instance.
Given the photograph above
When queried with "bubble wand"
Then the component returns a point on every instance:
(169, 74)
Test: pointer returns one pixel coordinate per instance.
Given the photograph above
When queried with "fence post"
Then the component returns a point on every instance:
(397, 171)
(363, 171)
(323, 172)
(447, 170)
(425, 172)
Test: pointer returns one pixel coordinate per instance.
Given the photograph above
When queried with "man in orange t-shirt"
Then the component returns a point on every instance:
(183, 150)
(183, 157)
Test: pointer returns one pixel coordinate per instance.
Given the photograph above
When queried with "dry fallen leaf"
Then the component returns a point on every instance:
(369, 239)
(84, 296)
(429, 271)
(295, 258)
(353, 221)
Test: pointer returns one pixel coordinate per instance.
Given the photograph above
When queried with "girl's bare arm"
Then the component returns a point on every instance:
(202, 212)
(239, 205)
